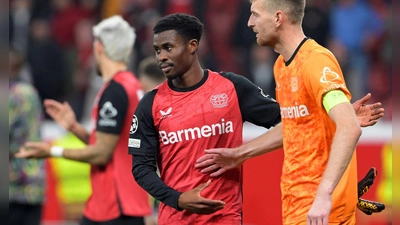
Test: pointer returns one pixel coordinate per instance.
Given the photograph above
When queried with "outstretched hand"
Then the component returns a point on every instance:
(218, 160)
(62, 113)
(368, 115)
(37, 150)
(193, 202)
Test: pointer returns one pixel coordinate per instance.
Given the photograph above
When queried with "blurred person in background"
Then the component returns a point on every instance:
(26, 176)
(355, 29)
(116, 198)
(150, 75)
(45, 62)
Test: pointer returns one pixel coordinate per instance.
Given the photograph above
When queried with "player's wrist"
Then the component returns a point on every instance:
(56, 151)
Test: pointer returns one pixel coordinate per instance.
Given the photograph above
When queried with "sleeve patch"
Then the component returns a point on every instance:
(134, 143)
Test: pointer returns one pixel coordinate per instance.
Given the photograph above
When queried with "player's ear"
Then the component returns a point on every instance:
(279, 18)
(98, 47)
(193, 46)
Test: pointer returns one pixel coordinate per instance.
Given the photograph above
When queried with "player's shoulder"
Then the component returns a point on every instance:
(235, 78)
(316, 50)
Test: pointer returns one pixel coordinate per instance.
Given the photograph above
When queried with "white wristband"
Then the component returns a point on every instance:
(56, 151)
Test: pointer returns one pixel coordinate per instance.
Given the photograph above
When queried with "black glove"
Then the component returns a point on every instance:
(365, 184)
(369, 207)
(366, 206)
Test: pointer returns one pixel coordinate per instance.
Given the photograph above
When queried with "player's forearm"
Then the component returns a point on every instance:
(270, 141)
(79, 131)
(88, 155)
(146, 176)
(342, 150)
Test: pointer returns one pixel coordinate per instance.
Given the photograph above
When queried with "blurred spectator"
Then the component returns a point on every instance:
(262, 62)
(316, 20)
(84, 65)
(67, 14)
(20, 10)
(26, 176)
(45, 61)
(219, 20)
(150, 75)
(355, 27)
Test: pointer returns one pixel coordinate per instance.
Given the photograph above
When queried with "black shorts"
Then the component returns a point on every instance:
(122, 220)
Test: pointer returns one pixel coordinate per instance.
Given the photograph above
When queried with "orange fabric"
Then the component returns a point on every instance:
(308, 133)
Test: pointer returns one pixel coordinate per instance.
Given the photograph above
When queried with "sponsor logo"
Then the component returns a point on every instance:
(219, 100)
(334, 87)
(196, 132)
(167, 113)
(328, 76)
(294, 83)
(295, 111)
(134, 143)
(107, 112)
(134, 125)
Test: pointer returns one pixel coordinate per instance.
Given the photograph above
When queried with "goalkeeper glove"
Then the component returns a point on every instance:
(365, 184)
(366, 206)
(369, 207)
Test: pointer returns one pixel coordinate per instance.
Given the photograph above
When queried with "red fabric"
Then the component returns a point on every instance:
(64, 22)
(114, 184)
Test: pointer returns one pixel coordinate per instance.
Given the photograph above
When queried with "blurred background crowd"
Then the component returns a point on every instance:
(55, 37)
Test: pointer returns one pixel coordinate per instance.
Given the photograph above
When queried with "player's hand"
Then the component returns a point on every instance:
(62, 113)
(218, 160)
(369, 207)
(320, 210)
(35, 150)
(368, 115)
(193, 202)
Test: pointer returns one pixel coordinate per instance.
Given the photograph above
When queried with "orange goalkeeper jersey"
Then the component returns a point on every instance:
(308, 133)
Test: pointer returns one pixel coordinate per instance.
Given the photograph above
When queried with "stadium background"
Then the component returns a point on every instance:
(55, 37)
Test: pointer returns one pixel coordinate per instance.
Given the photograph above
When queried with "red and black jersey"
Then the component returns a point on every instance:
(173, 126)
(114, 191)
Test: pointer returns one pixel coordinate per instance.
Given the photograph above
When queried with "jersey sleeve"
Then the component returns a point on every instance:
(256, 106)
(113, 106)
(143, 145)
(324, 75)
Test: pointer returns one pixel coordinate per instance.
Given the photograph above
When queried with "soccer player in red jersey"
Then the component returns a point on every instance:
(194, 109)
(319, 127)
(116, 198)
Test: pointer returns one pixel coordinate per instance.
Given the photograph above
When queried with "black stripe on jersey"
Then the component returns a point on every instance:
(112, 108)
(256, 106)
(144, 158)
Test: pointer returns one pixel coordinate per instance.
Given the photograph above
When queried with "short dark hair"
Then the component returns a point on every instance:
(149, 67)
(189, 27)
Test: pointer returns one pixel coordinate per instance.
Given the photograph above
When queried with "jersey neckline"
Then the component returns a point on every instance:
(194, 87)
(295, 52)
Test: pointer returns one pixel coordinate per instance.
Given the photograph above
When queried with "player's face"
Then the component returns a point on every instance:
(172, 53)
(262, 23)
